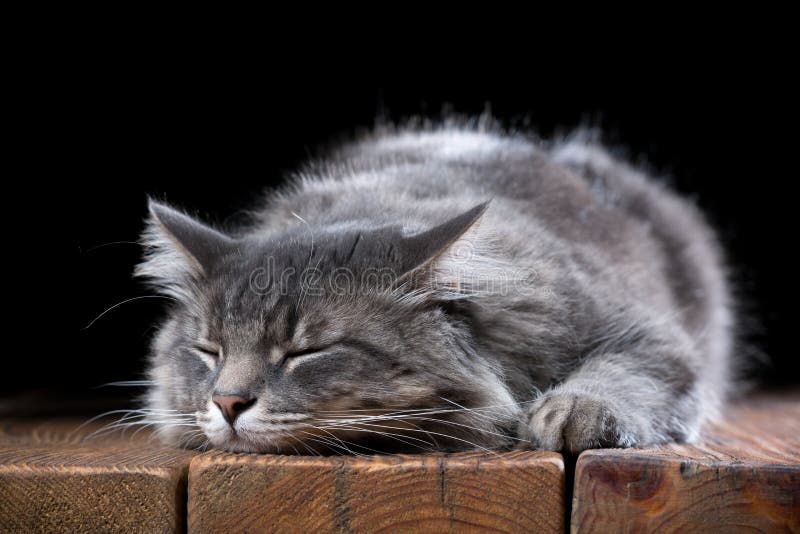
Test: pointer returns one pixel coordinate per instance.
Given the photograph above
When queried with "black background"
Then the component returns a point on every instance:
(93, 141)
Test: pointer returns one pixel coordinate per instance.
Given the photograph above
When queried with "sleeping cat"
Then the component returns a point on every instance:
(442, 288)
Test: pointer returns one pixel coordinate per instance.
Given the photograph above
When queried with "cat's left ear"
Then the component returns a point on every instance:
(447, 262)
(178, 248)
(425, 248)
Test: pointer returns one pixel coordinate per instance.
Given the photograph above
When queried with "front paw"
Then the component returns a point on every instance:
(574, 422)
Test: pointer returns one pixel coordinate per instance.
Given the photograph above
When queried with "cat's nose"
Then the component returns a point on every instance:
(231, 405)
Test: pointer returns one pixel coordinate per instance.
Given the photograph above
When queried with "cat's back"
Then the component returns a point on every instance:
(574, 189)
(417, 176)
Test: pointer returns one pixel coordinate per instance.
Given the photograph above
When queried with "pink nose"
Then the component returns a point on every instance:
(231, 406)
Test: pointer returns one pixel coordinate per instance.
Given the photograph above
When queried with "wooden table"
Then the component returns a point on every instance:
(54, 479)
(468, 492)
(743, 475)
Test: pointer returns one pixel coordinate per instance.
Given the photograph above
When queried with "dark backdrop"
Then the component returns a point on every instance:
(94, 144)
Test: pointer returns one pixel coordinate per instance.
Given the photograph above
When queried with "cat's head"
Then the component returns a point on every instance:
(315, 338)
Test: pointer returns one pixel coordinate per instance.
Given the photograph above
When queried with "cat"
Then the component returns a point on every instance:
(442, 287)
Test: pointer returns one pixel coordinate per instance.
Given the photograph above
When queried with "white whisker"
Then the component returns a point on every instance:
(118, 304)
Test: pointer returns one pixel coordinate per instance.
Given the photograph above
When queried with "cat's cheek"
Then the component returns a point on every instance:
(194, 379)
(197, 361)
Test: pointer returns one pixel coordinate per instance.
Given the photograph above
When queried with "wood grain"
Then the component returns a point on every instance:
(743, 475)
(467, 492)
(54, 479)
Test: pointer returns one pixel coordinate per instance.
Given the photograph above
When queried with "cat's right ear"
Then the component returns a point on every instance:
(178, 249)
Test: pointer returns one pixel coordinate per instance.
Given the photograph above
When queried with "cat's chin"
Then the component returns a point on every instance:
(242, 441)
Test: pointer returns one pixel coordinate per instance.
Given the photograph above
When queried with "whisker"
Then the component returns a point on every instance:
(142, 418)
(397, 437)
(126, 301)
(481, 447)
(289, 437)
(329, 443)
(331, 435)
(481, 430)
(421, 418)
(342, 441)
(460, 408)
(340, 422)
(187, 437)
(128, 383)
(109, 244)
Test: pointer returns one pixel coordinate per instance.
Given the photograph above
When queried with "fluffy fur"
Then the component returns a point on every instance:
(378, 303)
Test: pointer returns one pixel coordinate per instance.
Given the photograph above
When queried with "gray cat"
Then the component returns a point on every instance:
(442, 288)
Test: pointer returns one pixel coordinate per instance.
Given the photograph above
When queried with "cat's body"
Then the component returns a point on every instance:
(585, 306)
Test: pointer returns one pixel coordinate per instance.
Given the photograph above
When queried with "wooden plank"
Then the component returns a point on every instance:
(54, 479)
(521, 491)
(742, 475)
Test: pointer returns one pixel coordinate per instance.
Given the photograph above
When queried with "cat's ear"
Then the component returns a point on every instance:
(178, 248)
(447, 262)
(425, 248)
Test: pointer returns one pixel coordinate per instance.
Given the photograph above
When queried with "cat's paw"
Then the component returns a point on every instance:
(574, 422)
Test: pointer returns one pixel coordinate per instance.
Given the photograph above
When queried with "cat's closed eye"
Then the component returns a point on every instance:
(210, 354)
(296, 355)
